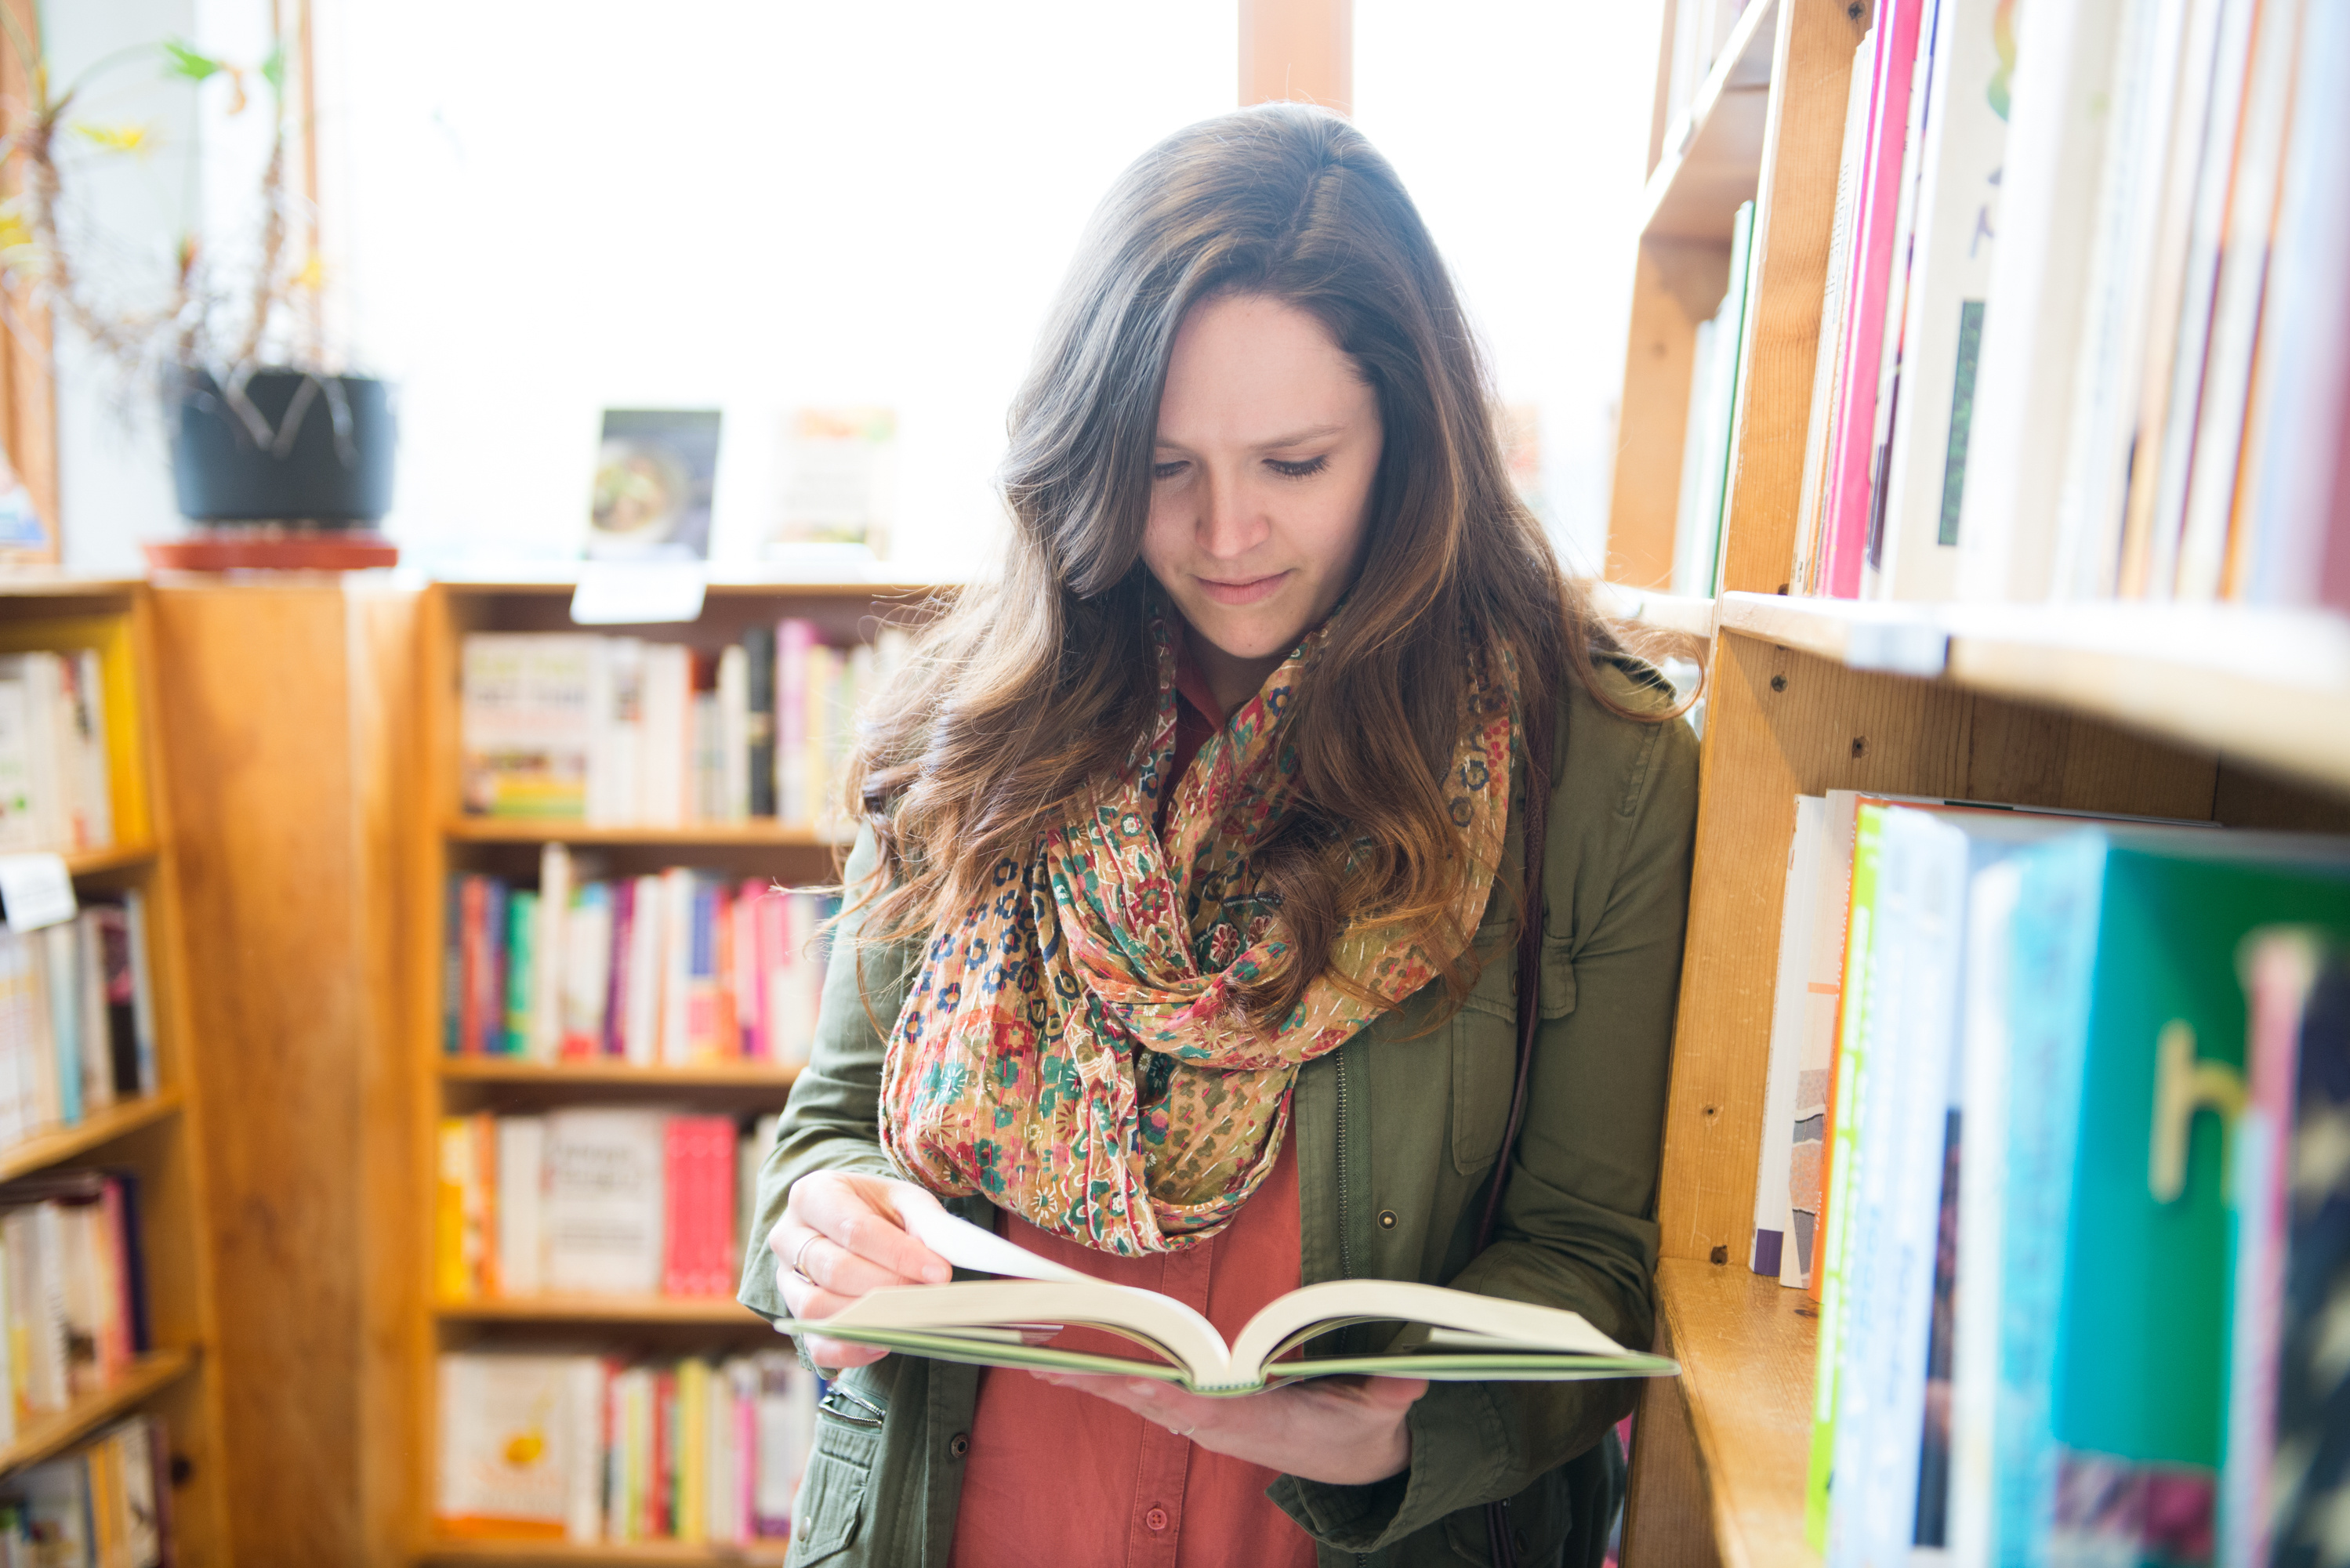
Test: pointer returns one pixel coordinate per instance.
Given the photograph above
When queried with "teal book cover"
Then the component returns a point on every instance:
(2129, 1012)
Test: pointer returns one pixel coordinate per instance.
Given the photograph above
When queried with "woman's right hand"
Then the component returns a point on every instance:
(841, 1236)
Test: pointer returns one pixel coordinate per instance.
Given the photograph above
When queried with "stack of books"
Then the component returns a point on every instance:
(586, 1449)
(679, 968)
(73, 1294)
(56, 792)
(619, 731)
(108, 1504)
(2007, 1068)
(595, 1201)
(2083, 334)
(76, 1019)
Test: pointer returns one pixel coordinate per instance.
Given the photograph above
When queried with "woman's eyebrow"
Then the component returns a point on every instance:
(1311, 433)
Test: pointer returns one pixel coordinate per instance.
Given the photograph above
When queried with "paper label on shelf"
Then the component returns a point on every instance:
(639, 593)
(35, 891)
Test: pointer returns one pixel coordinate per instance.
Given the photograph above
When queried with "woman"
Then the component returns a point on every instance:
(1182, 926)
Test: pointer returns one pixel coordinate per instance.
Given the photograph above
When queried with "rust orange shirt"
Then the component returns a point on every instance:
(1062, 1477)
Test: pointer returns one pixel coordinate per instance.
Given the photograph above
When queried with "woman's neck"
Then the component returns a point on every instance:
(1232, 680)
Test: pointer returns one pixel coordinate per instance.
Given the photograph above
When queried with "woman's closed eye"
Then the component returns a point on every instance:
(1303, 469)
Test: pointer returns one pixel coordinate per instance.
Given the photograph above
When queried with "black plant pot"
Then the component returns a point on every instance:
(285, 447)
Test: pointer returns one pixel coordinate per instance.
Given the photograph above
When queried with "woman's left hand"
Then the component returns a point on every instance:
(1345, 1431)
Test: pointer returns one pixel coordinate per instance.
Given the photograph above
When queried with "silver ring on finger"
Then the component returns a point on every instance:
(800, 1253)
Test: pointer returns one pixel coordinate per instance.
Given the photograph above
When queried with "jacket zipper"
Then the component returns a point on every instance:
(1345, 1231)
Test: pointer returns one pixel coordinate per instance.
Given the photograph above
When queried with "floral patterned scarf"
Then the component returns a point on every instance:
(1066, 1047)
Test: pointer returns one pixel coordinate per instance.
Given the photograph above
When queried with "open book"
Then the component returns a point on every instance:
(1451, 1336)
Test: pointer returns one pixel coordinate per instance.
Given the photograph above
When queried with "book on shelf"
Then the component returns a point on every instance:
(622, 732)
(2289, 1196)
(1446, 1336)
(73, 1300)
(1717, 370)
(589, 1449)
(107, 1504)
(2025, 1330)
(2082, 335)
(594, 1200)
(675, 969)
(55, 790)
(77, 1024)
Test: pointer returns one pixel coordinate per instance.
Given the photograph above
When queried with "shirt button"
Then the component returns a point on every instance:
(959, 1444)
(1156, 1519)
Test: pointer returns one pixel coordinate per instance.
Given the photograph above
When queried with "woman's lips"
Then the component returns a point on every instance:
(1246, 591)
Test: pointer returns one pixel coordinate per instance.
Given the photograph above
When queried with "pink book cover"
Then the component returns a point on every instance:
(775, 926)
(748, 979)
(794, 640)
(677, 1189)
(1852, 445)
(114, 1353)
(719, 1154)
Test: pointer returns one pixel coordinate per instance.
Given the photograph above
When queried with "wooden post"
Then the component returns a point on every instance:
(1299, 50)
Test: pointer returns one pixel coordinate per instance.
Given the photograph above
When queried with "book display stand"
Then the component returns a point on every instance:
(2224, 712)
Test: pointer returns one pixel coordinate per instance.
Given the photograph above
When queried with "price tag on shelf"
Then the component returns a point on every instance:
(35, 891)
(639, 593)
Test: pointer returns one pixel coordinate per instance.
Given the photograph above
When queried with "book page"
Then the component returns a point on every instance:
(1184, 1337)
(1517, 1325)
(983, 1251)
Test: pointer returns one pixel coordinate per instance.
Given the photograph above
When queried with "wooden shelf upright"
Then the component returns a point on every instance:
(438, 1085)
(2227, 713)
(157, 1135)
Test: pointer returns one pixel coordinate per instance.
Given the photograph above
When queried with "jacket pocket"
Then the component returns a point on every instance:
(831, 1508)
(1484, 1070)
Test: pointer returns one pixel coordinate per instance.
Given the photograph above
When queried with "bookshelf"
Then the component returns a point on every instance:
(2225, 712)
(157, 1135)
(438, 1085)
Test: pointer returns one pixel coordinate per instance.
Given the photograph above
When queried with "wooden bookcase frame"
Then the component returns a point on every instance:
(2228, 713)
(421, 1327)
(158, 1137)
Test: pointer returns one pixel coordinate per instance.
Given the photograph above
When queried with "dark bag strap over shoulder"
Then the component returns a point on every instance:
(1532, 913)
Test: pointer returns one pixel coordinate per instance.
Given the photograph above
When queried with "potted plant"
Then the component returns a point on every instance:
(277, 457)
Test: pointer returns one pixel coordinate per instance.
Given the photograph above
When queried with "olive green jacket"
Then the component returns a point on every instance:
(1397, 1136)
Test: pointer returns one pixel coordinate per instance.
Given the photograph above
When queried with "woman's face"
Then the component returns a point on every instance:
(1268, 442)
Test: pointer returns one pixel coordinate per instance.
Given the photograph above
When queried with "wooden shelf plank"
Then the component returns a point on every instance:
(699, 1075)
(516, 1552)
(2265, 686)
(724, 1311)
(115, 857)
(1714, 153)
(703, 835)
(1747, 1346)
(563, 578)
(57, 582)
(40, 1437)
(45, 1150)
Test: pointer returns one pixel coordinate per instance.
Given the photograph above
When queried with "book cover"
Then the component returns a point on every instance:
(505, 1466)
(550, 946)
(590, 939)
(2126, 1006)
(795, 644)
(656, 472)
(521, 1220)
(2288, 1449)
(604, 1201)
(1877, 201)
(1772, 1205)
(2058, 120)
(522, 956)
(526, 730)
(759, 718)
(617, 992)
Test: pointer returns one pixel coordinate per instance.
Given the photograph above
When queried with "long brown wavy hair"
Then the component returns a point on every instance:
(1041, 679)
